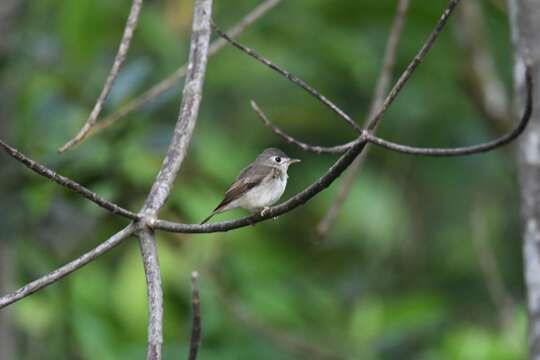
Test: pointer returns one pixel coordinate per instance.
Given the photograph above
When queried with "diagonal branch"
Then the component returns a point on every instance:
(66, 182)
(196, 327)
(131, 24)
(291, 77)
(67, 269)
(171, 80)
(372, 123)
(316, 149)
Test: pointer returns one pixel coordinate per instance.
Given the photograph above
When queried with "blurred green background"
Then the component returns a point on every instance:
(399, 276)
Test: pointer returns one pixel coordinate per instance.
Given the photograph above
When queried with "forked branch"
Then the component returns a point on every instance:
(291, 77)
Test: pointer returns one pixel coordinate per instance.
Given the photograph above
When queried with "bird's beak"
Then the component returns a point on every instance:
(292, 161)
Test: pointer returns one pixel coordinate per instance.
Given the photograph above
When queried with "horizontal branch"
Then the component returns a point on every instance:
(171, 80)
(293, 78)
(66, 182)
(67, 269)
(119, 59)
(467, 150)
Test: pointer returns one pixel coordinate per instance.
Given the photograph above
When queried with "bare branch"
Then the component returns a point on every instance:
(171, 80)
(66, 182)
(131, 24)
(67, 269)
(196, 327)
(372, 123)
(335, 170)
(147, 243)
(339, 149)
(467, 150)
(294, 79)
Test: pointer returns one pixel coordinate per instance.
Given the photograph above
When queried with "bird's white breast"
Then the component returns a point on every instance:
(263, 195)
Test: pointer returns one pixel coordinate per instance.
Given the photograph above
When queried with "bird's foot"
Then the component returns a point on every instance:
(265, 210)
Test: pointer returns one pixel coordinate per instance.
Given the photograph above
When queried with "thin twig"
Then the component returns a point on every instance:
(66, 182)
(293, 78)
(381, 88)
(196, 325)
(417, 151)
(316, 149)
(467, 150)
(171, 80)
(119, 59)
(67, 269)
(176, 153)
(372, 123)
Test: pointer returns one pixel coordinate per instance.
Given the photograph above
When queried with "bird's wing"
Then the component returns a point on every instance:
(250, 177)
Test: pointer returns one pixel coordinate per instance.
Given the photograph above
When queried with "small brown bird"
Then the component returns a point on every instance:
(259, 185)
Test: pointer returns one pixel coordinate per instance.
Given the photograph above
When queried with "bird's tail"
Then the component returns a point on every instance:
(209, 217)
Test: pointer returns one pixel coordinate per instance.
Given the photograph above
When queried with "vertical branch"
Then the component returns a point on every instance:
(379, 93)
(119, 59)
(177, 151)
(196, 326)
(524, 16)
(147, 243)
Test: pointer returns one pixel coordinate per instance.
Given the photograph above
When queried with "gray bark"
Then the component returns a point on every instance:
(524, 15)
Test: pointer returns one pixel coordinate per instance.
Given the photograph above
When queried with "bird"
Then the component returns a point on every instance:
(259, 185)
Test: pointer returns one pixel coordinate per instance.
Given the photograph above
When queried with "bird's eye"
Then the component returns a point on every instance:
(277, 159)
